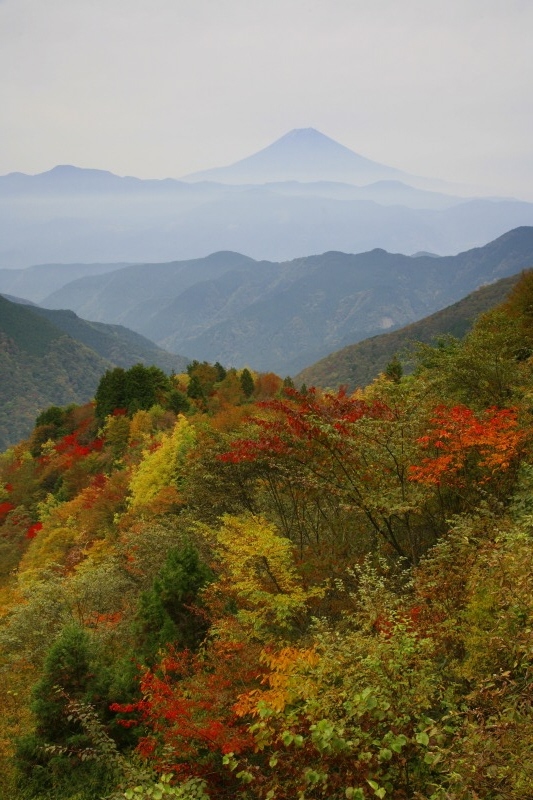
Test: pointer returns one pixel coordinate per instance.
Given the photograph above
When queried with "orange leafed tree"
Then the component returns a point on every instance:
(464, 445)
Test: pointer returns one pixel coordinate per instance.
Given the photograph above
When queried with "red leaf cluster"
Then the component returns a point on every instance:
(33, 530)
(188, 710)
(301, 420)
(5, 508)
(491, 439)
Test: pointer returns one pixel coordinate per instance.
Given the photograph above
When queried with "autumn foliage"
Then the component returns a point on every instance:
(218, 586)
(461, 441)
(187, 709)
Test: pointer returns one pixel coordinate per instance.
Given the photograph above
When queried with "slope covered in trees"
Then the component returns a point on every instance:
(284, 316)
(121, 346)
(271, 593)
(55, 358)
(358, 364)
(40, 366)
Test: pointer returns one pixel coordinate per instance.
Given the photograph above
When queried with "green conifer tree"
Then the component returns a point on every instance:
(247, 382)
(51, 761)
(165, 615)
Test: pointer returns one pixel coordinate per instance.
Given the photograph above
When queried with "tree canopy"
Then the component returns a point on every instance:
(214, 585)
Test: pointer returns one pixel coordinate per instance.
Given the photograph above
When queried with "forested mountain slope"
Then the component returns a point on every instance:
(358, 364)
(56, 358)
(40, 366)
(285, 316)
(273, 593)
(121, 346)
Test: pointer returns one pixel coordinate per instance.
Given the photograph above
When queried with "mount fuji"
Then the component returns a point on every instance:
(302, 195)
(306, 155)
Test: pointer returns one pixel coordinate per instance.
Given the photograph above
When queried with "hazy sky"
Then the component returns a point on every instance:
(160, 88)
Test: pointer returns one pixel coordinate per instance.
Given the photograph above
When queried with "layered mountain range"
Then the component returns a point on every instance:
(273, 262)
(278, 317)
(284, 316)
(302, 195)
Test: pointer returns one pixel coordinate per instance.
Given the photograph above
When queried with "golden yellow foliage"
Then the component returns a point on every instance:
(258, 571)
(161, 466)
(140, 427)
(49, 549)
(284, 681)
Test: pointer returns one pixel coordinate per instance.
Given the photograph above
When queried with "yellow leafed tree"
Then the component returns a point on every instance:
(160, 468)
(257, 569)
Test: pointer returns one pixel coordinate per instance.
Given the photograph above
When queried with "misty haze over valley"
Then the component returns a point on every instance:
(303, 195)
(275, 261)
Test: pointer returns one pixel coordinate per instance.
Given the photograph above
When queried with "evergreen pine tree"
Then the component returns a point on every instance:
(165, 615)
(51, 761)
(247, 382)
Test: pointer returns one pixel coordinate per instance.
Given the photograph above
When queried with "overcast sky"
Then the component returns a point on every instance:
(160, 88)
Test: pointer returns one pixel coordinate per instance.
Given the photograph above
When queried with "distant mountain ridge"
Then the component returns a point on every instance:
(284, 316)
(36, 282)
(68, 178)
(303, 194)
